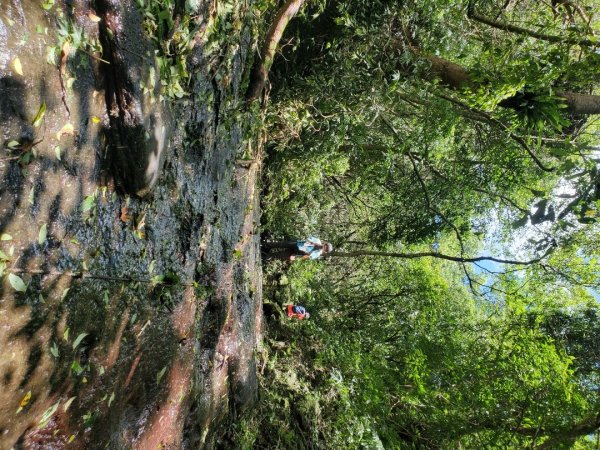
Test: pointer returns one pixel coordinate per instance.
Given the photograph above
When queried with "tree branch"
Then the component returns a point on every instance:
(523, 31)
(262, 66)
(459, 259)
(491, 120)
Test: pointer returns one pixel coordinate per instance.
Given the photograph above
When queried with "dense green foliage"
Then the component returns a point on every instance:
(447, 128)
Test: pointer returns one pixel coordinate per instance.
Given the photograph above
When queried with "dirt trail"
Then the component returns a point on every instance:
(133, 323)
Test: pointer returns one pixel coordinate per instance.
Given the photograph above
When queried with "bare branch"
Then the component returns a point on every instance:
(523, 31)
(459, 259)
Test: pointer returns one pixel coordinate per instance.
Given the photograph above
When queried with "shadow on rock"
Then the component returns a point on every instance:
(137, 134)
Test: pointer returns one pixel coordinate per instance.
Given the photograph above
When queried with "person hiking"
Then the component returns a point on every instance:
(310, 248)
(297, 311)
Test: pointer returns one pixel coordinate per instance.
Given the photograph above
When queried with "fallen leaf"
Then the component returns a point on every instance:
(68, 403)
(125, 216)
(95, 119)
(88, 203)
(64, 55)
(160, 374)
(57, 152)
(37, 120)
(48, 4)
(9, 20)
(78, 340)
(13, 144)
(76, 368)
(66, 129)
(48, 414)
(140, 222)
(6, 237)
(43, 234)
(17, 66)
(17, 283)
(93, 17)
(25, 400)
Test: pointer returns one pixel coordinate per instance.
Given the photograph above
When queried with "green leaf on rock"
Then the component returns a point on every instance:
(88, 203)
(48, 415)
(37, 120)
(17, 282)
(78, 340)
(43, 234)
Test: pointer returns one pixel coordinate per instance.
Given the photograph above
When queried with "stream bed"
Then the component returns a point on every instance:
(131, 287)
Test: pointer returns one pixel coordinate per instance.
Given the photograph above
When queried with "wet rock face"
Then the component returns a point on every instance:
(137, 318)
(137, 135)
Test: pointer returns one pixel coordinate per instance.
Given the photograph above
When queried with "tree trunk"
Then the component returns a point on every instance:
(260, 72)
(458, 259)
(581, 104)
(587, 426)
(457, 77)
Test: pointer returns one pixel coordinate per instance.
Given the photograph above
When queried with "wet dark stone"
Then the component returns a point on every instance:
(138, 131)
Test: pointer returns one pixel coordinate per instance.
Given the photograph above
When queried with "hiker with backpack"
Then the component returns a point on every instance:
(311, 248)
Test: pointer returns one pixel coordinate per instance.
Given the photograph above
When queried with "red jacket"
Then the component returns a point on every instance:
(291, 313)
